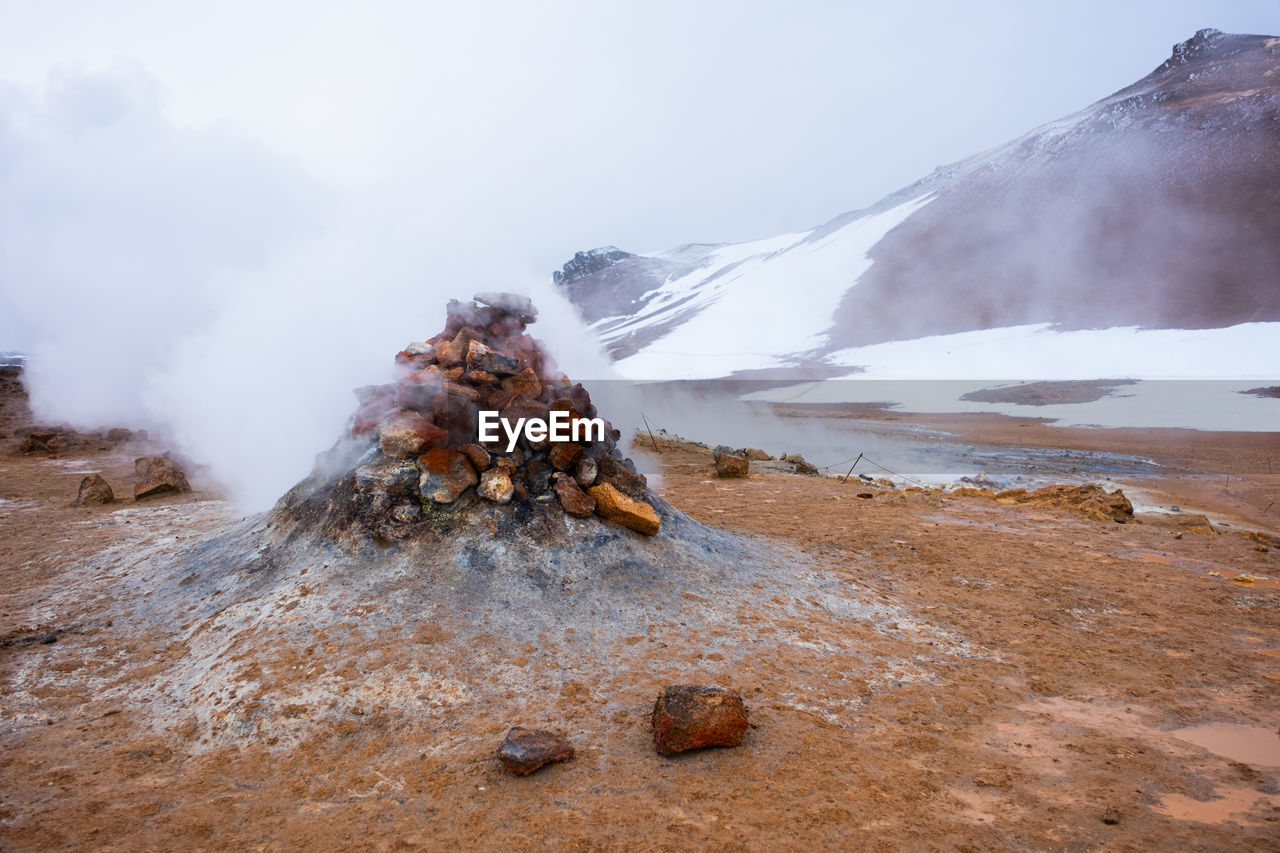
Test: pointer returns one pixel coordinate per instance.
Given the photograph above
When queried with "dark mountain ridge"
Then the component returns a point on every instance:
(1157, 206)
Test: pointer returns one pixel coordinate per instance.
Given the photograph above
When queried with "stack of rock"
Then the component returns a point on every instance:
(426, 424)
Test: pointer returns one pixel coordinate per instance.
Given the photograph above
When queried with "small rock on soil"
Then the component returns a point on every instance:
(732, 465)
(95, 491)
(158, 475)
(694, 716)
(525, 750)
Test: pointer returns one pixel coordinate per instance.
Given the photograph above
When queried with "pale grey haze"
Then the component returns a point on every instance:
(568, 125)
(215, 219)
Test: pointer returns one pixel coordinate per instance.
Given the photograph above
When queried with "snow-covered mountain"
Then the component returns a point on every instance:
(1154, 209)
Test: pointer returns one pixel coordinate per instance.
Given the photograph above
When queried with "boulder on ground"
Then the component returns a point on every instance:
(694, 716)
(158, 475)
(525, 750)
(613, 505)
(383, 492)
(395, 477)
(802, 466)
(94, 491)
(757, 455)
(481, 361)
(732, 465)
(1091, 501)
(43, 441)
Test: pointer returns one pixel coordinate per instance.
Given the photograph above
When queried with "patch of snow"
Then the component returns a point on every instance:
(777, 297)
(673, 294)
(1039, 352)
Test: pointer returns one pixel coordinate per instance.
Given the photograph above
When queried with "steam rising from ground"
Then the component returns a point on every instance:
(193, 282)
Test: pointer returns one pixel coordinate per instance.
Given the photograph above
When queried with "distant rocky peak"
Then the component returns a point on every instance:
(585, 263)
(1193, 47)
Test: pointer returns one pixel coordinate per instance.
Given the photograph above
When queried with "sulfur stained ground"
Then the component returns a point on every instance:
(922, 672)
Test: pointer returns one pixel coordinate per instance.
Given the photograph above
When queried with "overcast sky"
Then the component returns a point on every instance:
(568, 125)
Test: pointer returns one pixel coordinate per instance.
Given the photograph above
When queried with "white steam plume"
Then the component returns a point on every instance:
(192, 282)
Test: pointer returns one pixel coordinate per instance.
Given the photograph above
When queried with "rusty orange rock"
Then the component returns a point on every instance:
(495, 485)
(454, 353)
(732, 465)
(523, 384)
(693, 716)
(572, 499)
(406, 434)
(564, 455)
(446, 474)
(1090, 500)
(613, 505)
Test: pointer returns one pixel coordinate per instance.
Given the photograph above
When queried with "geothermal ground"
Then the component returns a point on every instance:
(923, 671)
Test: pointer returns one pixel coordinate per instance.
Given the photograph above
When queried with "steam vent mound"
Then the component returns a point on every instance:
(409, 509)
(478, 428)
(421, 576)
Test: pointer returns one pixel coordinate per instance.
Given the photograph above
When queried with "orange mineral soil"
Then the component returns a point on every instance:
(962, 674)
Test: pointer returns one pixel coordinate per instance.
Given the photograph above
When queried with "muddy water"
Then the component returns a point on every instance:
(1235, 805)
(944, 458)
(1258, 746)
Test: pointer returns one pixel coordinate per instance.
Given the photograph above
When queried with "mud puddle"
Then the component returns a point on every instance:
(1258, 746)
(1243, 806)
